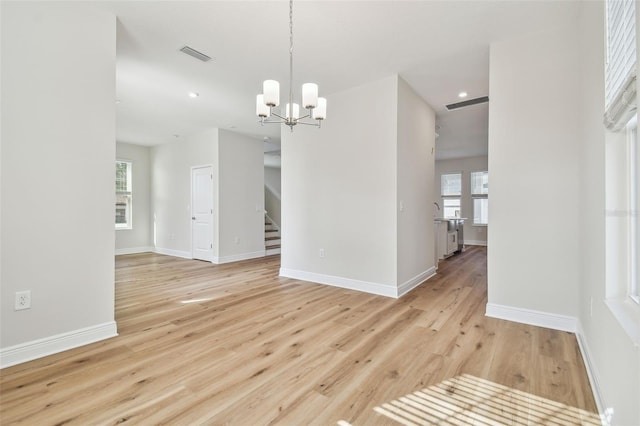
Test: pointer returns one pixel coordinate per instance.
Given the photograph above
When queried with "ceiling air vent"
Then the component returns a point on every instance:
(467, 103)
(193, 52)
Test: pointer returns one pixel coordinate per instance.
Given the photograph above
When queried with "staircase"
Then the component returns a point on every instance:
(271, 237)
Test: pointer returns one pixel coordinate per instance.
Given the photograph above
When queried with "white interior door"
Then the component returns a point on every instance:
(202, 213)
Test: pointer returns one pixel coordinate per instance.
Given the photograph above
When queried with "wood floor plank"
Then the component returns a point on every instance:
(236, 344)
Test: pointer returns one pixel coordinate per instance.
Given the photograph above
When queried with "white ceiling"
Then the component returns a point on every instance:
(439, 47)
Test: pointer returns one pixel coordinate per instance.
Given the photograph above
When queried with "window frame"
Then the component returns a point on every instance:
(633, 175)
(619, 211)
(478, 196)
(128, 225)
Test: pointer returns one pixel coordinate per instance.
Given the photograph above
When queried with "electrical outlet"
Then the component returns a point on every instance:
(321, 253)
(23, 300)
(237, 240)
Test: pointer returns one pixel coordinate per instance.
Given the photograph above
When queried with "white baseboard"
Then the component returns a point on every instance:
(351, 284)
(414, 282)
(175, 253)
(238, 257)
(531, 317)
(592, 373)
(54, 344)
(475, 243)
(134, 250)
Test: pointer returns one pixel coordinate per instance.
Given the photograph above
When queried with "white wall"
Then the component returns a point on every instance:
(273, 194)
(341, 186)
(138, 239)
(241, 197)
(58, 151)
(534, 255)
(339, 190)
(614, 356)
(273, 179)
(238, 194)
(416, 151)
(472, 234)
(548, 153)
(171, 190)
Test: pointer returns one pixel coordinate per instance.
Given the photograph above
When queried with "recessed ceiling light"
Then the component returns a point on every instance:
(462, 94)
(176, 136)
(194, 94)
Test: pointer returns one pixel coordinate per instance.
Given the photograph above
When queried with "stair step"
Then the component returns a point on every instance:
(270, 230)
(271, 238)
(276, 246)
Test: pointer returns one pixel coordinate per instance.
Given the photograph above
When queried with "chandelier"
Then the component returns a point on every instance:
(270, 97)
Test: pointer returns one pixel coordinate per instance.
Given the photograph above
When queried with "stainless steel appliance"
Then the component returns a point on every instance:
(457, 225)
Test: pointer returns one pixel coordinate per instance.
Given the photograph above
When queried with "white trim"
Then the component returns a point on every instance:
(531, 317)
(54, 344)
(475, 242)
(351, 284)
(238, 257)
(174, 253)
(627, 313)
(593, 375)
(414, 282)
(133, 250)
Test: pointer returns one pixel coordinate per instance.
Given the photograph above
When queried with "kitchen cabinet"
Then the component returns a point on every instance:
(441, 240)
(452, 242)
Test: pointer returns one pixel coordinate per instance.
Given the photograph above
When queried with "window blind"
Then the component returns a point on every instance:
(479, 183)
(451, 184)
(620, 69)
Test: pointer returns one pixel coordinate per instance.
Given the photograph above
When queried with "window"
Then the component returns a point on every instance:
(480, 211)
(123, 195)
(451, 207)
(451, 190)
(479, 183)
(479, 193)
(451, 184)
(634, 210)
(622, 169)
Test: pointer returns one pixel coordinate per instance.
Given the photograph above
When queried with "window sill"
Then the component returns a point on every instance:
(124, 228)
(627, 313)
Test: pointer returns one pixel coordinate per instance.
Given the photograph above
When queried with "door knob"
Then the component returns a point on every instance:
(193, 218)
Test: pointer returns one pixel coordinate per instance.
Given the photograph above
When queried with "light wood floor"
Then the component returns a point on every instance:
(236, 344)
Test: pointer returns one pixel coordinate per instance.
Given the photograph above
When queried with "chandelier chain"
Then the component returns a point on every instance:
(291, 57)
